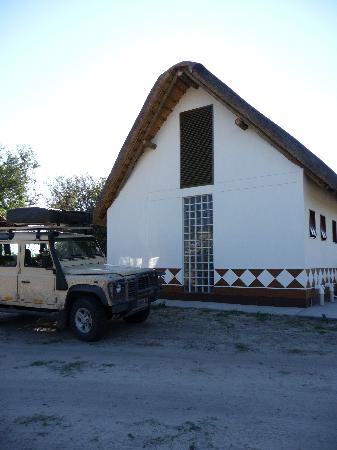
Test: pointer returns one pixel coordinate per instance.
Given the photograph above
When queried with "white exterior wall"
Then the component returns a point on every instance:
(257, 192)
(319, 253)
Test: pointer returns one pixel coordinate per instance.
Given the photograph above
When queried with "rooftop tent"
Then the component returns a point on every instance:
(45, 216)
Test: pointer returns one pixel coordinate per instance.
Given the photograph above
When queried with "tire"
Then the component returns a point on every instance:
(88, 319)
(138, 317)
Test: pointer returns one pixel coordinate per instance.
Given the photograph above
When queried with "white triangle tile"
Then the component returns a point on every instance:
(216, 277)
(230, 277)
(247, 277)
(168, 277)
(302, 278)
(311, 278)
(180, 277)
(285, 278)
(315, 277)
(265, 278)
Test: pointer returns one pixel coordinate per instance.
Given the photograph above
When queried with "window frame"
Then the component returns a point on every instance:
(322, 226)
(334, 231)
(185, 181)
(37, 258)
(16, 255)
(312, 224)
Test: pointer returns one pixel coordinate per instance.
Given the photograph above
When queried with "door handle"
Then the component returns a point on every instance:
(25, 282)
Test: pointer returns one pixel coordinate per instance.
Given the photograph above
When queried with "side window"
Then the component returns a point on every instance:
(334, 232)
(312, 224)
(323, 228)
(8, 255)
(36, 254)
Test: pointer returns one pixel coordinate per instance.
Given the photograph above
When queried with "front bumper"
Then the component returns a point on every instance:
(144, 286)
(135, 304)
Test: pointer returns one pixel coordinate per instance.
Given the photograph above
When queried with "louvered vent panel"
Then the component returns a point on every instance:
(196, 147)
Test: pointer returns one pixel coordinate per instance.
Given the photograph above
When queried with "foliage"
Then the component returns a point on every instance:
(79, 192)
(17, 178)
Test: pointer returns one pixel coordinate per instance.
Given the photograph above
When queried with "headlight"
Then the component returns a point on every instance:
(117, 289)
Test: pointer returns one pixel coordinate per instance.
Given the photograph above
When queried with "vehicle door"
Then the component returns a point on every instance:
(36, 280)
(9, 266)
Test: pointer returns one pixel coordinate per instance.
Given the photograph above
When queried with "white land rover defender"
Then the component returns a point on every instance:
(54, 266)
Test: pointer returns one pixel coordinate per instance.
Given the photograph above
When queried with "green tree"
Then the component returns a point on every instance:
(79, 192)
(17, 178)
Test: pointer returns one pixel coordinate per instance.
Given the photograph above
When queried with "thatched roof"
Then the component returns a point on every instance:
(163, 97)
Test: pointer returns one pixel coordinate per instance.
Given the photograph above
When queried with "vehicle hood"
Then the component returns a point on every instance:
(101, 269)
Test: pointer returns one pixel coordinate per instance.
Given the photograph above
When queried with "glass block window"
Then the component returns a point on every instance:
(198, 244)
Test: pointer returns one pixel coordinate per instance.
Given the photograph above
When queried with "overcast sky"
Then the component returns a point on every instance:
(75, 73)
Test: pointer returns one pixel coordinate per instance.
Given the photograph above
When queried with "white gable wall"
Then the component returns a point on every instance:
(319, 253)
(258, 200)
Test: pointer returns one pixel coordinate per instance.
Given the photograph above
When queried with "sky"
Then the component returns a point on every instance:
(74, 74)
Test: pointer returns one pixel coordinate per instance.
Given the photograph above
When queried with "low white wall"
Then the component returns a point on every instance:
(319, 253)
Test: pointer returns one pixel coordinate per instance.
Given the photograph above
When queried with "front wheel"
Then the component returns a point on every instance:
(138, 317)
(88, 319)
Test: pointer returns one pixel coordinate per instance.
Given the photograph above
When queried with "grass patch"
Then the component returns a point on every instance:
(40, 363)
(241, 347)
(68, 369)
(262, 317)
(149, 344)
(295, 351)
(325, 329)
(53, 341)
(39, 419)
(160, 305)
(65, 369)
(230, 313)
(108, 365)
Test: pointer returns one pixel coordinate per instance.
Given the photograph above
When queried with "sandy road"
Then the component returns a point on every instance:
(186, 379)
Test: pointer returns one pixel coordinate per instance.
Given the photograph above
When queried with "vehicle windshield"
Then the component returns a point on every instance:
(77, 247)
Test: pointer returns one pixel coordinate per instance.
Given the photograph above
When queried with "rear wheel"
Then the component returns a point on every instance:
(88, 319)
(139, 316)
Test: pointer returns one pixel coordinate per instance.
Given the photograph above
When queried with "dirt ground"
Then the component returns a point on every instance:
(186, 380)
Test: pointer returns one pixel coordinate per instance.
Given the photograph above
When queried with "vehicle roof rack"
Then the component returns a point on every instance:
(8, 233)
(25, 227)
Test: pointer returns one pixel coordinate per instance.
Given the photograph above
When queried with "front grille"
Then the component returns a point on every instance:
(143, 282)
(132, 288)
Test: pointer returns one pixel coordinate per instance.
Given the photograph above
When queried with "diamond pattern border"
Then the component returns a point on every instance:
(275, 278)
(271, 278)
(171, 276)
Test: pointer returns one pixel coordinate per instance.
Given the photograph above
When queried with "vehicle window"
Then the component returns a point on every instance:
(8, 255)
(81, 248)
(34, 254)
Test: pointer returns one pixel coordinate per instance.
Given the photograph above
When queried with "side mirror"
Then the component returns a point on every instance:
(46, 262)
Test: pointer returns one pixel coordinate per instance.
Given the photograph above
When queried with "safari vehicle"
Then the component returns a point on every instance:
(56, 267)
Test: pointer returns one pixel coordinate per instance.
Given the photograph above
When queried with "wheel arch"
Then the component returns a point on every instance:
(86, 290)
